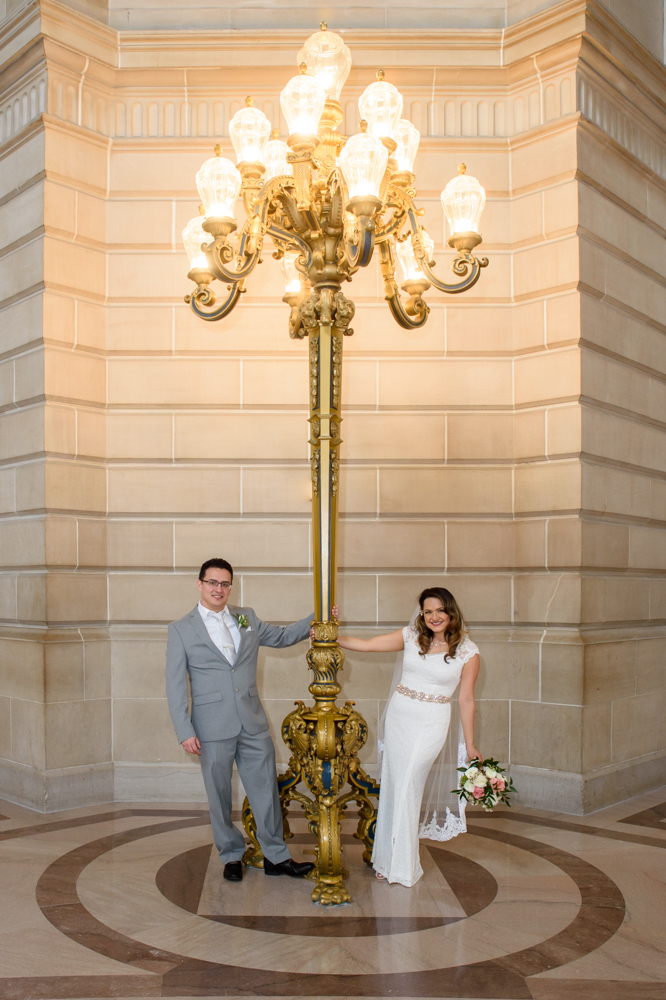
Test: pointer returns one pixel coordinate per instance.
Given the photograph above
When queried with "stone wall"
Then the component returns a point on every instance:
(643, 18)
(513, 449)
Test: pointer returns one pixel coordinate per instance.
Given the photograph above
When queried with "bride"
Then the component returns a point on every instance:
(438, 655)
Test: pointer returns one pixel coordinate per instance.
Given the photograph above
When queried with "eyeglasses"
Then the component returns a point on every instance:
(217, 583)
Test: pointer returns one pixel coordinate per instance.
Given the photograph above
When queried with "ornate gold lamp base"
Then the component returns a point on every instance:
(324, 742)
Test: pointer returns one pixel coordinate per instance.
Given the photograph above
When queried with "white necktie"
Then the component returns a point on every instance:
(227, 641)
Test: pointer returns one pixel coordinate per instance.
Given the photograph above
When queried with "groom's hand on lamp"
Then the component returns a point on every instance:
(335, 614)
(192, 746)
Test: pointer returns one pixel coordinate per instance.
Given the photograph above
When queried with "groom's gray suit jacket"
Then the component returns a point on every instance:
(224, 696)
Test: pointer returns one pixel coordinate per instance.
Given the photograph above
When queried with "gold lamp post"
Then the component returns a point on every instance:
(326, 202)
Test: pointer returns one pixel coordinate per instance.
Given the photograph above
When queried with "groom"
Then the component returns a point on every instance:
(217, 646)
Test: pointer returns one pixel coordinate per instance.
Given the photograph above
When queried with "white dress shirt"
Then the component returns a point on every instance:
(222, 627)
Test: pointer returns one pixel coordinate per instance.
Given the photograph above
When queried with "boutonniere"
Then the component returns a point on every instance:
(242, 620)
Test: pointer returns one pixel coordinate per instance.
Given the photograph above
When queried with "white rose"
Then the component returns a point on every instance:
(469, 786)
(481, 781)
(490, 772)
(471, 772)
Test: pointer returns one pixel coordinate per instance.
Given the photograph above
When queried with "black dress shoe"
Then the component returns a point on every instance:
(233, 871)
(297, 869)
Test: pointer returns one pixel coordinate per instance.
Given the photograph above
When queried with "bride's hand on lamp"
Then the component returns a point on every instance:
(335, 614)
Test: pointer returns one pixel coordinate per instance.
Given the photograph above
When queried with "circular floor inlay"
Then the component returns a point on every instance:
(181, 881)
(599, 915)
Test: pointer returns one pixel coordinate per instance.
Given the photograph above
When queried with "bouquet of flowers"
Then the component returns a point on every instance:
(482, 782)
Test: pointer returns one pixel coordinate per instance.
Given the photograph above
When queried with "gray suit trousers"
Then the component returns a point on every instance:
(255, 759)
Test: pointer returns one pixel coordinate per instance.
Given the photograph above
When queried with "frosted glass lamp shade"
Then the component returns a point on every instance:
(302, 102)
(463, 199)
(407, 138)
(249, 130)
(407, 258)
(275, 159)
(292, 277)
(218, 184)
(381, 106)
(328, 60)
(363, 161)
(193, 236)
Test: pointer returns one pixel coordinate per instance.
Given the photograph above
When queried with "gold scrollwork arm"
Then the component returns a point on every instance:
(359, 235)
(296, 329)
(399, 198)
(203, 296)
(281, 191)
(291, 241)
(219, 253)
(414, 313)
(465, 264)
(360, 242)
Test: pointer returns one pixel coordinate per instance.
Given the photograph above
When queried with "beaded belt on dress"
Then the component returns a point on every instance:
(441, 699)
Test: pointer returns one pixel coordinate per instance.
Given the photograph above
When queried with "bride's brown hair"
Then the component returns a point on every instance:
(455, 630)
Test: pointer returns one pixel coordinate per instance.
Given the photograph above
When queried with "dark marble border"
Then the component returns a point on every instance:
(591, 831)
(71, 824)
(73, 987)
(181, 880)
(600, 914)
(473, 885)
(654, 818)
(595, 989)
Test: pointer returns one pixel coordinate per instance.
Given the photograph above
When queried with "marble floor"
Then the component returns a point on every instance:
(129, 901)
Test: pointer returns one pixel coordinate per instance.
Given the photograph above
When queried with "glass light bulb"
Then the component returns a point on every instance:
(218, 184)
(249, 130)
(463, 199)
(381, 106)
(363, 161)
(275, 159)
(328, 60)
(409, 265)
(407, 138)
(302, 102)
(193, 236)
(292, 277)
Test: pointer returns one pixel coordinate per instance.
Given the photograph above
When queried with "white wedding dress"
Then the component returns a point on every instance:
(415, 732)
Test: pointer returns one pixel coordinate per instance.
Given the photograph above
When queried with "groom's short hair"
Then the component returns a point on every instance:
(219, 564)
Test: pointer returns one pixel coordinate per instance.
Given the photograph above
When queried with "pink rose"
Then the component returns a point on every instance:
(477, 793)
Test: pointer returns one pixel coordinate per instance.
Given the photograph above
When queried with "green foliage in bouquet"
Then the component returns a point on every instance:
(483, 783)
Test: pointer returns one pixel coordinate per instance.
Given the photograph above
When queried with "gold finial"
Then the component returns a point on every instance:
(217, 149)
(249, 101)
(202, 210)
(276, 133)
(302, 68)
(380, 74)
(363, 125)
(323, 26)
(461, 168)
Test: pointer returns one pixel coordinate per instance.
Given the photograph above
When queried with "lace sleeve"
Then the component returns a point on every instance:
(467, 649)
(408, 634)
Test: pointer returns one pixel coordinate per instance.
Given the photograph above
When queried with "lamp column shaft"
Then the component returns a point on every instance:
(325, 656)
(324, 740)
(325, 382)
